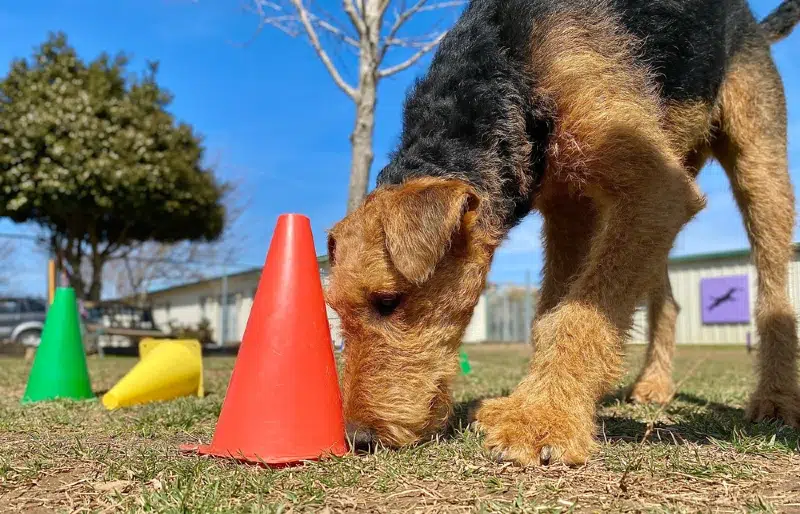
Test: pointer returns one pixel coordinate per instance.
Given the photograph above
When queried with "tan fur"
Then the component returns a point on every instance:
(654, 383)
(569, 222)
(398, 371)
(689, 126)
(752, 149)
(611, 148)
(618, 187)
(750, 143)
(416, 244)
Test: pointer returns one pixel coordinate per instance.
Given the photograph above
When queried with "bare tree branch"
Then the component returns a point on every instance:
(411, 60)
(323, 55)
(371, 35)
(354, 15)
(402, 16)
(414, 42)
(400, 19)
(308, 21)
(443, 5)
(382, 6)
(335, 31)
(291, 24)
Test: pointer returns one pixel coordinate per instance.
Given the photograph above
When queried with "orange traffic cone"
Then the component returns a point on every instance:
(283, 403)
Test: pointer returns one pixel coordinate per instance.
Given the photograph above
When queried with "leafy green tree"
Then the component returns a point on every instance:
(90, 153)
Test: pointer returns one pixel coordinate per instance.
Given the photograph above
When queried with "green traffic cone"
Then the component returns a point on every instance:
(59, 369)
(464, 361)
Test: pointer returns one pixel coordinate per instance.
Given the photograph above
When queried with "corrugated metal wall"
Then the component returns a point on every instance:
(685, 277)
(500, 318)
(509, 312)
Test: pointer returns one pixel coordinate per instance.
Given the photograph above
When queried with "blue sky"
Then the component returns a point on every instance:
(279, 127)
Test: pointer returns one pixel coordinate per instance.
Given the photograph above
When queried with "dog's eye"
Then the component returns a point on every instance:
(386, 303)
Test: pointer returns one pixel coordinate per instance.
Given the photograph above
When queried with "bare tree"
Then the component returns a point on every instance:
(369, 34)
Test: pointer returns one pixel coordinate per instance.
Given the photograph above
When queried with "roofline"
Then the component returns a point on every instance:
(321, 259)
(712, 256)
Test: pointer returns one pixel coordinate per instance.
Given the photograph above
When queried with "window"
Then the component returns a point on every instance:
(9, 306)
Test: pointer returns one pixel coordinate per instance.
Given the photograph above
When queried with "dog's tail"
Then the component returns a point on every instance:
(780, 22)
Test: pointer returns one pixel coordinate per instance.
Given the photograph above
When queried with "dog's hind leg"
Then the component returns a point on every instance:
(654, 383)
(752, 149)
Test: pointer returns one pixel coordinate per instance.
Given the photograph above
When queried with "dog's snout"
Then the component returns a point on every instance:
(361, 438)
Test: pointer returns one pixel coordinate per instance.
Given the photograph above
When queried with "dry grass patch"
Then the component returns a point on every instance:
(700, 454)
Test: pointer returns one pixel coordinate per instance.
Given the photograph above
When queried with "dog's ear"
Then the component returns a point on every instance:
(420, 221)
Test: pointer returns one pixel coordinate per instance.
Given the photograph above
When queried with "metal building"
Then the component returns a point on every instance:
(503, 312)
(716, 293)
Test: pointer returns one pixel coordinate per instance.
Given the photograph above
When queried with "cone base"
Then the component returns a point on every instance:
(56, 398)
(254, 458)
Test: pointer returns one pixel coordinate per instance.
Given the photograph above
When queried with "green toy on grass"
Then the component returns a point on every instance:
(466, 369)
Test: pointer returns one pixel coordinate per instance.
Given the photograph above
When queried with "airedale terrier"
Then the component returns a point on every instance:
(599, 114)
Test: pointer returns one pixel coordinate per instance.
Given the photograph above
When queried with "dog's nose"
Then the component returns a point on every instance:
(360, 437)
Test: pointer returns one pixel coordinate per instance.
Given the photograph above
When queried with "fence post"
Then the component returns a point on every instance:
(224, 305)
(528, 306)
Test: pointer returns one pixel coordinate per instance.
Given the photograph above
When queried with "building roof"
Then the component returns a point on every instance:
(717, 256)
(323, 259)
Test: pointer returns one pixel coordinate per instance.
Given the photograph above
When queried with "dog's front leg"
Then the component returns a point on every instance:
(550, 416)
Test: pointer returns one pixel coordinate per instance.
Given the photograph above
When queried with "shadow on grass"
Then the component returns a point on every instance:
(700, 421)
(697, 421)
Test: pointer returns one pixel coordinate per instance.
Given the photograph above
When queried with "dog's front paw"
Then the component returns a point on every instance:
(527, 434)
(781, 403)
(652, 389)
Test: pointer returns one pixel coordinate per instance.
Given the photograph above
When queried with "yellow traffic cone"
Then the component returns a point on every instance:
(167, 369)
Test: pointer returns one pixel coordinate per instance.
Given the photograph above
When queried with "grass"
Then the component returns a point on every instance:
(700, 454)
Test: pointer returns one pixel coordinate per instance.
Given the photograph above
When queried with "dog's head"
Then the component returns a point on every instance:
(407, 268)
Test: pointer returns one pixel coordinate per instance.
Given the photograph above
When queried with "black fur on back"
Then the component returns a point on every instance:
(456, 117)
(453, 117)
(688, 43)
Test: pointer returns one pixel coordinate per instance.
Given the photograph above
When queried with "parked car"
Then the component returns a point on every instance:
(22, 320)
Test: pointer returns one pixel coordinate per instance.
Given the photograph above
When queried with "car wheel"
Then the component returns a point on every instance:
(29, 338)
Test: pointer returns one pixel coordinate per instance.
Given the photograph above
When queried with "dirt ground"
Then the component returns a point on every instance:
(700, 455)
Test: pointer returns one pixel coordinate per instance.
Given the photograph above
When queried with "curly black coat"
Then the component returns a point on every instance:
(461, 113)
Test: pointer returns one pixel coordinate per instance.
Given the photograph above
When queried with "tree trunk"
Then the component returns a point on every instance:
(72, 255)
(74, 275)
(361, 138)
(96, 286)
(98, 260)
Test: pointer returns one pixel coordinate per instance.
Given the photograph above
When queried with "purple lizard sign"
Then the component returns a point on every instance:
(725, 299)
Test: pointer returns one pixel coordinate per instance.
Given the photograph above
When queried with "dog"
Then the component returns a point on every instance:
(599, 114)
